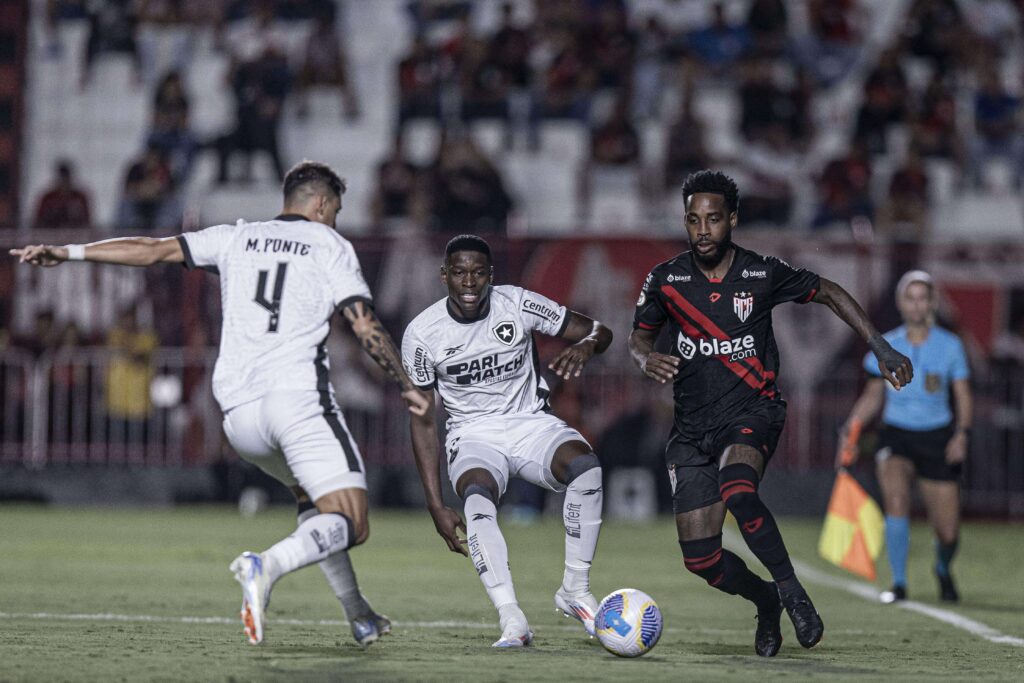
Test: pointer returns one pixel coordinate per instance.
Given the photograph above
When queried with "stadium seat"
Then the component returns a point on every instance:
(64, 120)
(421, 140)
(719, 110)
(542, 190)
(565, 141)
(941, 180)
(986, 215)
(616, 206)
(489, 136)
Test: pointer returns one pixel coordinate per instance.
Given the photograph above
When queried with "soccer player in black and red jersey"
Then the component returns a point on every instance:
(717, 300)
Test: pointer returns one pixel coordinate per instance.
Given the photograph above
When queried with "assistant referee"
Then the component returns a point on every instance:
(920, 434)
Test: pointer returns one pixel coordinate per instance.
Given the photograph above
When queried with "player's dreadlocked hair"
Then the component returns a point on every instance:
(467, 243)
(713, 182)
(307, 173)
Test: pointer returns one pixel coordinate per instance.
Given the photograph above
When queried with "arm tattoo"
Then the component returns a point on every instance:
(377, 342)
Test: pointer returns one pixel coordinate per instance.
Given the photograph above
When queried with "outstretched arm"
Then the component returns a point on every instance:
(122, 251)
(894, 366)
(588, 337)
(423, 429)
(658, 366)
(378, 344)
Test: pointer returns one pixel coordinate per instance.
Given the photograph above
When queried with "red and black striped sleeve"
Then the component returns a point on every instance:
(791, 284)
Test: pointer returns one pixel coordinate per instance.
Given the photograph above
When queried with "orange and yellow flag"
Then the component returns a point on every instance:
(854, 530)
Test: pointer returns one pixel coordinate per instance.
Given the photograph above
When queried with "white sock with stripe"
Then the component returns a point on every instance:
(488, 551)
(581, 513)
(315, 539)
(341, 577)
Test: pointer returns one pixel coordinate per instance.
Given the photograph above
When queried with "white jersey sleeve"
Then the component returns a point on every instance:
(417, 359)
(345, 277)
(206, 248)
(542, 314)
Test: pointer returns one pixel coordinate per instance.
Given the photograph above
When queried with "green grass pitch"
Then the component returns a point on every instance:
(166, 567)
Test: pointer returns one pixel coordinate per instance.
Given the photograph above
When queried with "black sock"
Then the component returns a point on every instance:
(944, 553)
(725, 571)
(738, 484)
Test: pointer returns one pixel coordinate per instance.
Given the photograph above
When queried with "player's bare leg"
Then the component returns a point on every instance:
(942, 500)
(365, 623)
(576, 466)
(700, 538)
(739, 474)
(895, 476)
(341, 523)
(489, 553)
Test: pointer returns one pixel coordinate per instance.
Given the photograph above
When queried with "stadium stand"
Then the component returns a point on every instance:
(860, 129)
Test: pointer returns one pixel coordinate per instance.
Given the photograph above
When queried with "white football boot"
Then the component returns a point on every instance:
(368, 628)
(515, 631)
(249, 571)
(580, 606)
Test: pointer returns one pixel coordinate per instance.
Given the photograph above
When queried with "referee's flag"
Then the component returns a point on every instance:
(854, 530)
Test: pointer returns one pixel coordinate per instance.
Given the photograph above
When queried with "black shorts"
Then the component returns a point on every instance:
(693, 465)
(925, 449)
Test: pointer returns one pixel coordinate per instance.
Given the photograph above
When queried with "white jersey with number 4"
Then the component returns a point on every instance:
(280, 282)
(487, 366)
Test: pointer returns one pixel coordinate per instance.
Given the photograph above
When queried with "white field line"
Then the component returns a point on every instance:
(868, 592)
(472, 625)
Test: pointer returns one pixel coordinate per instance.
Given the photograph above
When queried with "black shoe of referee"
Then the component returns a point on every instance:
(947, 589)
(897, 593)
(806, 621)
(768, 637)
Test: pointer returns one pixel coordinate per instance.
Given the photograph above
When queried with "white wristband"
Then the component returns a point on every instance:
(76, 252)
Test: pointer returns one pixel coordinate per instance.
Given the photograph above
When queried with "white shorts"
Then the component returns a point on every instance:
(299, 438)
(509, 446)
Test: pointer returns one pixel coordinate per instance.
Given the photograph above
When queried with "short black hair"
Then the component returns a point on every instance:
(467, 243)
(312, 172)
(712, 182)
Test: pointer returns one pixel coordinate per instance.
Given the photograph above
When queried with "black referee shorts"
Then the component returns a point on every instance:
(925, 449)
(693, 465)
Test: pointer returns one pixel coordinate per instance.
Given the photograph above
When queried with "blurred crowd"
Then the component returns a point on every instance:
(122, 380)
(827, 123)
(830, 125)
(112, 383)
(834, 125)
(262, 73)
(940, 98)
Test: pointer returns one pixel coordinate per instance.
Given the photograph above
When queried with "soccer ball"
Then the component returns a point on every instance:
(628, 623)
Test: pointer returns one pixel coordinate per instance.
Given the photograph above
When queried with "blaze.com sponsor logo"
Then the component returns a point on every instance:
(734, 349)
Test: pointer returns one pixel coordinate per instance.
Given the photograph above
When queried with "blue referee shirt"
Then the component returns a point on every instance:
(923, 404)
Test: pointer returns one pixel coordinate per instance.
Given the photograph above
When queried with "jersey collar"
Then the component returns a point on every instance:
(716, 281)
(290, 217)
(453, 313)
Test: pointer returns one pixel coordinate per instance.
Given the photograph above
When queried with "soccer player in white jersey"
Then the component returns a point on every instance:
(282, 280)
(475, 347)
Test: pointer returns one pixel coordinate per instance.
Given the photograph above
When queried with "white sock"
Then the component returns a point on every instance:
(314, 540)
(581, 513)
(488, 551)
(342, 578)
(511, 615)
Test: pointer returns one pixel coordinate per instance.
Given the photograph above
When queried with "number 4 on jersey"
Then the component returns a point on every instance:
(274, 304)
